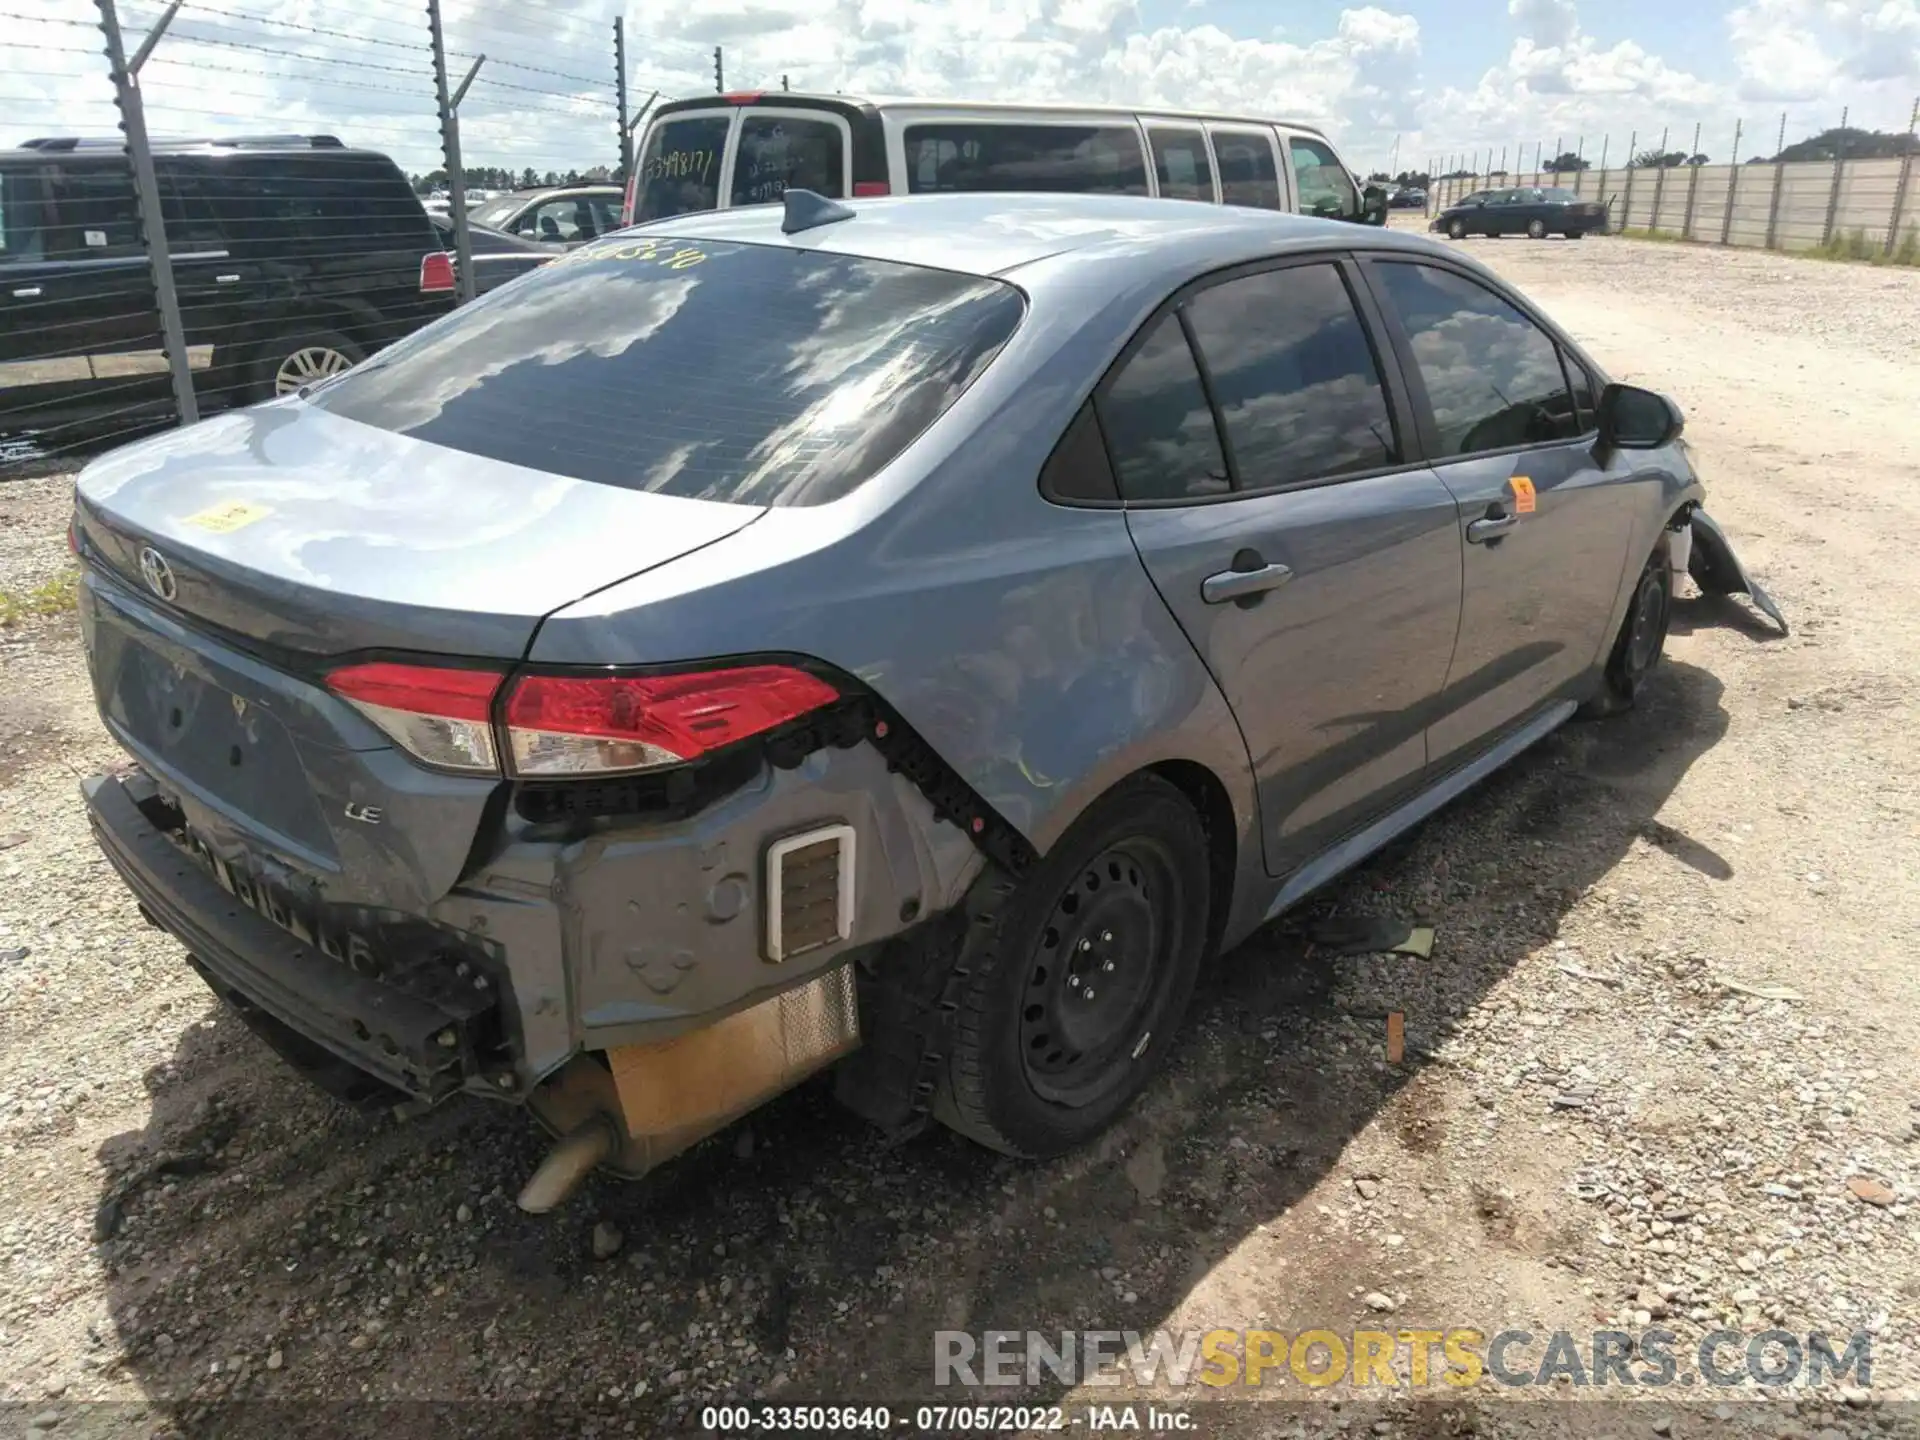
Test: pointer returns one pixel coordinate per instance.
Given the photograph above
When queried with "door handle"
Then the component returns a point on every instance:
(225, 279)
(1240, 584)
(1491, 528)
(27, 292)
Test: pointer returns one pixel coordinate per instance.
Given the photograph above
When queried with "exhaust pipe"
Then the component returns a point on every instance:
(633, 1107)
(567, 1165)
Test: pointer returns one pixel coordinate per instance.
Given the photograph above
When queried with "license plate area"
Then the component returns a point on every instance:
(231, 751)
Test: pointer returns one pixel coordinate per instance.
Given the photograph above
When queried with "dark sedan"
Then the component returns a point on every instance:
(1530, 210)
(497, 258)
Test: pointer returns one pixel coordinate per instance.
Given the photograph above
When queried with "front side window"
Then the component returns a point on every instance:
(1180, 163)
(1294, 376)
(707, 369)
(679, 167)
(559, 222)
(1159, 426)
(777, 151)
(965, 155)
(1248, 175)
(1492, 376)
(1325, 187)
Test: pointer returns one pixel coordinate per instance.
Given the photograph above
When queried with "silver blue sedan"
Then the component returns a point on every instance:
(909, 636)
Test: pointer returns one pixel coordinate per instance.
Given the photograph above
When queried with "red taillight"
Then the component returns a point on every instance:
(569, 724)
(438, 715)
(436, 273)
(626, 205)
(742, 97)
(872, 187)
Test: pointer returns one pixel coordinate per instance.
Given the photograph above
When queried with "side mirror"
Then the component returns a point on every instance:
(1634, 419)
(1373, 206)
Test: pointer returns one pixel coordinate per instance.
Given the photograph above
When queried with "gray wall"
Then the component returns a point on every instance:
(1692, 200)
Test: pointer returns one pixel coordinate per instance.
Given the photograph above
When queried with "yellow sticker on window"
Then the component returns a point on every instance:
(1523, 500)
(225, 519)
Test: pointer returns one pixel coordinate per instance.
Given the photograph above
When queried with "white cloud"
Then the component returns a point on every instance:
(545, 99)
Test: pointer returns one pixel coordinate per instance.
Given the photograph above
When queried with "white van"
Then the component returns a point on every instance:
(746, 148)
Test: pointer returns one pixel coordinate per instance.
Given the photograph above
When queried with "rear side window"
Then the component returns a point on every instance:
(1294, 377)
(1492, 376)
(317, 204)
(22, 236)
(1158, 423)
(1180, 164)
(777, 151)
(969, 155)
(719, 371)
(94, 214)
(1248, 175)
(679, 168)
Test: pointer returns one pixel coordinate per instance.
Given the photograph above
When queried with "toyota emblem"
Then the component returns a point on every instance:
(158, 574)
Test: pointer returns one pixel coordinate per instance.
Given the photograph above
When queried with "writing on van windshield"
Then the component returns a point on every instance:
(661, 250)
(680, 165)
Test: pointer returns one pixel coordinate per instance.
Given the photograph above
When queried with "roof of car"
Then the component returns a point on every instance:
(585, 187)
(1007, 107)
(994, 233)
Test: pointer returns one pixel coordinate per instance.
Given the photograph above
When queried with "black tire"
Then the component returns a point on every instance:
(283, 355)
(1576, 234)
(1536, 229)
(1038, 1064)
(1456, 229)
(1642, 638)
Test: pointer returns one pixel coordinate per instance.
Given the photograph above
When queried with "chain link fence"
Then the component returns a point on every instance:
(194, 196)
(1845, 192)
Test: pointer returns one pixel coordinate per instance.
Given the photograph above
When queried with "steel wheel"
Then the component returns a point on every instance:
(1078, 974)
(1536, 229)
(1456, 229)
(1642, 638)
(1092, 977)
(307, 365)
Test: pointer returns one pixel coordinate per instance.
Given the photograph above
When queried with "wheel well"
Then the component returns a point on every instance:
(1209, 800)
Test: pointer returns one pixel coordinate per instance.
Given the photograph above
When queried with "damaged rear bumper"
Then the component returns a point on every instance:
(280, 984)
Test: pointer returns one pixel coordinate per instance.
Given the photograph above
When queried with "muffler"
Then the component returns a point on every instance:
(634, 1107)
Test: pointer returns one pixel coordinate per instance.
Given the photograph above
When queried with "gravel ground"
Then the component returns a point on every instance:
(1661, 1065)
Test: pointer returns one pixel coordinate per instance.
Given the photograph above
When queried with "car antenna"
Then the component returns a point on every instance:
(807, 209)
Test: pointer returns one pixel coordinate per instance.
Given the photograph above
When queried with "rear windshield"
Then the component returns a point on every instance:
(978, 155)
(679, 168)
(719, 371)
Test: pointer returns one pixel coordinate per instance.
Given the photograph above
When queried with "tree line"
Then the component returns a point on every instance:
(496, 177)
(1848, 142)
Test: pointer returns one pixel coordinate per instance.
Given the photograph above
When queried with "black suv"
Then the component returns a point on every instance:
(293, 256)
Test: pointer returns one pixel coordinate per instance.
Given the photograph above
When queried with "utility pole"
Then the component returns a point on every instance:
(620, 97)
(449, 104)
(133, 120)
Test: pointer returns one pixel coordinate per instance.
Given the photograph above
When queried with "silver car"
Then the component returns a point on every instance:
(909, 635)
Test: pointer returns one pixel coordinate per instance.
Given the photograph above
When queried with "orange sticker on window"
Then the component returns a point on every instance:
(1522, 495)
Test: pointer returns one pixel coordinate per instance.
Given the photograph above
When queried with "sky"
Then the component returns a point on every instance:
(1396, 84)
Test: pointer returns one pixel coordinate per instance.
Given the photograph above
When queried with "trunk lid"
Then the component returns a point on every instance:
(315, 534)
(278, 539)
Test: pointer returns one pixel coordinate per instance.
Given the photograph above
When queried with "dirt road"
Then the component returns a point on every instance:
(1603, 1121)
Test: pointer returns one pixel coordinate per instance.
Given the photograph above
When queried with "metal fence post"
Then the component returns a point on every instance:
(1902, 185)
(1693, 184)
(1779, 179)
(450, 150)
(1659, 180)
(153, 230)
(1839, 170)
(620, 97)
(1626, 207)
(719, 74)
(1733, 188)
